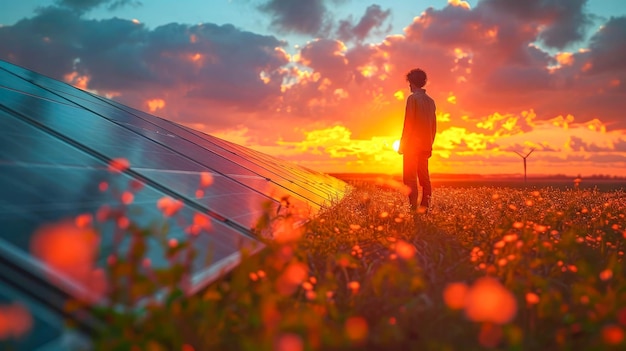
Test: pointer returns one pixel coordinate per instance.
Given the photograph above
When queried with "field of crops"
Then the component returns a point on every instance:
(487, 268)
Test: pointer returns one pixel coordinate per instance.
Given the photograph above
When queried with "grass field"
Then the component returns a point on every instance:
(504, 268)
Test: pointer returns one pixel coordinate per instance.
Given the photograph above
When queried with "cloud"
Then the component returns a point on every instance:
(206, 64)
(496, 80)
(607, 55)
(299, 16)
(373, 18)
(564, 20)
(86, 5)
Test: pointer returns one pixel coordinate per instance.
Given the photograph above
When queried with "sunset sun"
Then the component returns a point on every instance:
(396, 145)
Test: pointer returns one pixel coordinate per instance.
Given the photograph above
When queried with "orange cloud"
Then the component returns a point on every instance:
(459, 3)
(155, 104)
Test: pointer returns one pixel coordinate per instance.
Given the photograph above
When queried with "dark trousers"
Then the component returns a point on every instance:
(415, 174)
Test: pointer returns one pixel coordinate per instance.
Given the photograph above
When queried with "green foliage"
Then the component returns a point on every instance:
(368, 274)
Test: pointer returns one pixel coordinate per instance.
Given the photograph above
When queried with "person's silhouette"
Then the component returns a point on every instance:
(416, 144)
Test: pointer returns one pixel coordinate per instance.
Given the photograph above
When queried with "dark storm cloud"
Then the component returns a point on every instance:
(86, 5)
(298, 16)
(565, 20)
(373, 18)
(47, 43)
(216, 63)
(608, 47)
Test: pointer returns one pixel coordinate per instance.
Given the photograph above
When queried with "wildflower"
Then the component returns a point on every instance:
(206, 179)
(291, 278)
(103, 186)
(127, 198)
(200, 222)
(510, 238)
(83, 221)
(71, 252)
(532, 298)
(169, 206)
(15, 321)
(253, 276)
(172, 243)
(405, 250)
(488, 301)
(606, 274)
(146, 263)
(118, 165)
(612, 334)
(123, 222)
(307, 286)
(454, 295)
(356, 329)
(289, 342)
(354, 286)
(584, 299)
(199, 194)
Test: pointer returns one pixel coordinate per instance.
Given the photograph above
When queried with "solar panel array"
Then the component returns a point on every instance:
(56, 145)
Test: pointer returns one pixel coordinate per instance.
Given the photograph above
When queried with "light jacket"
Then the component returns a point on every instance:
(420, 123)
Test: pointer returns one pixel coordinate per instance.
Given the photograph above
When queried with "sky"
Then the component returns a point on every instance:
(322, 83)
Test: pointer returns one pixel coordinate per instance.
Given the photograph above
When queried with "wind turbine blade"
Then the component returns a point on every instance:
(520, 155)
(530, 152)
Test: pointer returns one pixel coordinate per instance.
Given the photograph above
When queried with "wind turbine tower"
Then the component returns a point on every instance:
(524, 157)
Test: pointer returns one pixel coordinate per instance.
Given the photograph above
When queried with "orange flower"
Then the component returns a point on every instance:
(532, 298)
(84, 220)
(289, 342)
(169, 206)
(127, 198)
(15, 321)
(606, 274)
(118, 165)
(291, 278)
(454, 295)
(488, 301)
(405, 250)
(612, 334)
(71, 252)
(206, 179)
(356, 329)
(354, 286)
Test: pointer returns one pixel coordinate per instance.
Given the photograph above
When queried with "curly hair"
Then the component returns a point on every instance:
(417, 77)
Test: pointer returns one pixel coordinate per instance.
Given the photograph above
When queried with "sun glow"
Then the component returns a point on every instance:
(396, 145)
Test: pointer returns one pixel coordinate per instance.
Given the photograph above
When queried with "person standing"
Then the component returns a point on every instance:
(416, 144)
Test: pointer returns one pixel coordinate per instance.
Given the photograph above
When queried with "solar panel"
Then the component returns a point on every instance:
(57, 143)
(205, 152)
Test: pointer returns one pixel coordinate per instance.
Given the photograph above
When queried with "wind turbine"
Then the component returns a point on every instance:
(524, 158)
